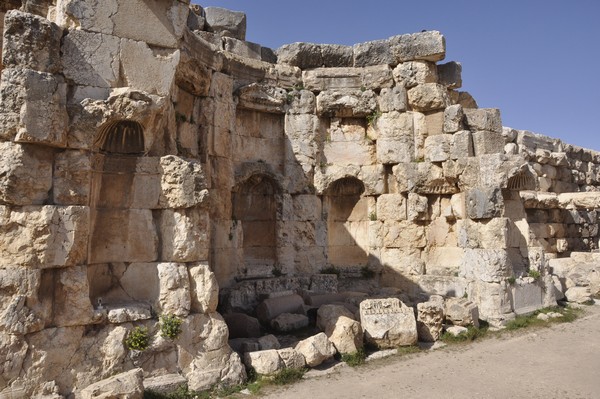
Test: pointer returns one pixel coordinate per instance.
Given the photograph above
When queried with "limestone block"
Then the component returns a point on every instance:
(335, 55)
(33, 107)
(128, 384)
(428, 46)
(240, 325)
(428, 97)
(196, 18)
(579, 295)
(417, 207)
(393, 99)
(174, 296)
(71, 178)
(487, 119)
(527, 297)
(87, 14)
(327, 317)
(123, 235)
(183, 184)
(458, 206)
(264, 362)
(25, 174)
(493, 301)
(262, 98)
(430, 318)
(158, 73)
(21, 309)
(372, 78)
(287, 322)
(453, 118)
(444, 261)
(31, 42)
(43, 237)
(346, 335)
(206, 369)
(391, 207)
(243, 48)
(412, 73)
(484, 203)
(346, 103)
(403, 235)
(307, 208)
(13, 349)
(375, 52)
(437, 148)
(461, 145)
(129, 312)
(226, 22)
(91, 59)
(462, 312)
(184, 235)
(487, 142)
(269, 342)
(450, 74)
(424, 178)
(71, 301)
(273, 307)
(395, 142)
(301, 55)
(203, 288)
(388, 323)
(291, 358)
(301, 102)
(316, 349)
(192, 75)
(487, 265)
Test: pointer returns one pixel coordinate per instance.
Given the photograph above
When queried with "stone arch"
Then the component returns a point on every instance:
(347, 211)
(255, 208)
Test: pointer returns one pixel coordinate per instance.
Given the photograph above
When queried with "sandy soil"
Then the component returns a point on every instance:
(562, 361)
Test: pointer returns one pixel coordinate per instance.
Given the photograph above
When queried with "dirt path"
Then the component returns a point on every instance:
(562, 361)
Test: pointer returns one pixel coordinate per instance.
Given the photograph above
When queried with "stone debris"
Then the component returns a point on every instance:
(314, 185)
(457, 330)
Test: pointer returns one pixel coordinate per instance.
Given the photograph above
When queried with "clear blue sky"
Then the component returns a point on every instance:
(536, 60)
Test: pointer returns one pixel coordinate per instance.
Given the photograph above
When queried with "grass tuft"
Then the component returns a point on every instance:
(354, 359)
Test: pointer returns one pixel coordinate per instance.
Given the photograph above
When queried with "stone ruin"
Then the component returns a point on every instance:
(153, 162)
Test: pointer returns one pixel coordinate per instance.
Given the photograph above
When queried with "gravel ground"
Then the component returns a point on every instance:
(562, 361)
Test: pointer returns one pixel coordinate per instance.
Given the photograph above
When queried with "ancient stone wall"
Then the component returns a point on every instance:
(145, 164)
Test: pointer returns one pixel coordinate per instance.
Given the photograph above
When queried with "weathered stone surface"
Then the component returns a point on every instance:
(578, 295)
(316, 349)
(413, 73)
(428, 97)
(301, 55)
(376, 52)
(184, 235)
(286, 322)
(450, 74)
(346, 103)
(371, 78)
(395, 141)
(203, 288)
(437, 148)
(457, 330)
(226, 22)
(430, 318)
(484, 203)
(269, 342)
(25, 174)
(183, 183)
(488, 265)
(453, 118)
(91, 59)
(33, 107)
(388, 323)
(265, 362)
(346, 335)
(43, 237)
(393, 99)
(461, 145)
(273, 307)
(21, 311)
(165, 384)
(291, 358)
(242, 48)
(428, 46)
(327, 316)
(483, 119)
(487, 142)
(262, 98)
(125, 385)
(391, 207)
(31, 42)
(174, 295)
(462, 312)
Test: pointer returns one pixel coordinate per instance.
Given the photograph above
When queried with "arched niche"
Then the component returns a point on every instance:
(120, 137)
(255, 209)
(347, 213)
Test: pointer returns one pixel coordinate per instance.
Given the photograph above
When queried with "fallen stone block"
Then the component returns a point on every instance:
(264, 362)
(270, 308)
(165, 384)
(287, 322)
(269, 342)
(457, 330)
(462, 312)
(291, 358)
(125, 385)
(580, 295)
(346, 334)
(316, 349)
(430, 319)
(388, 323)
(327, 316)
(241, 325)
